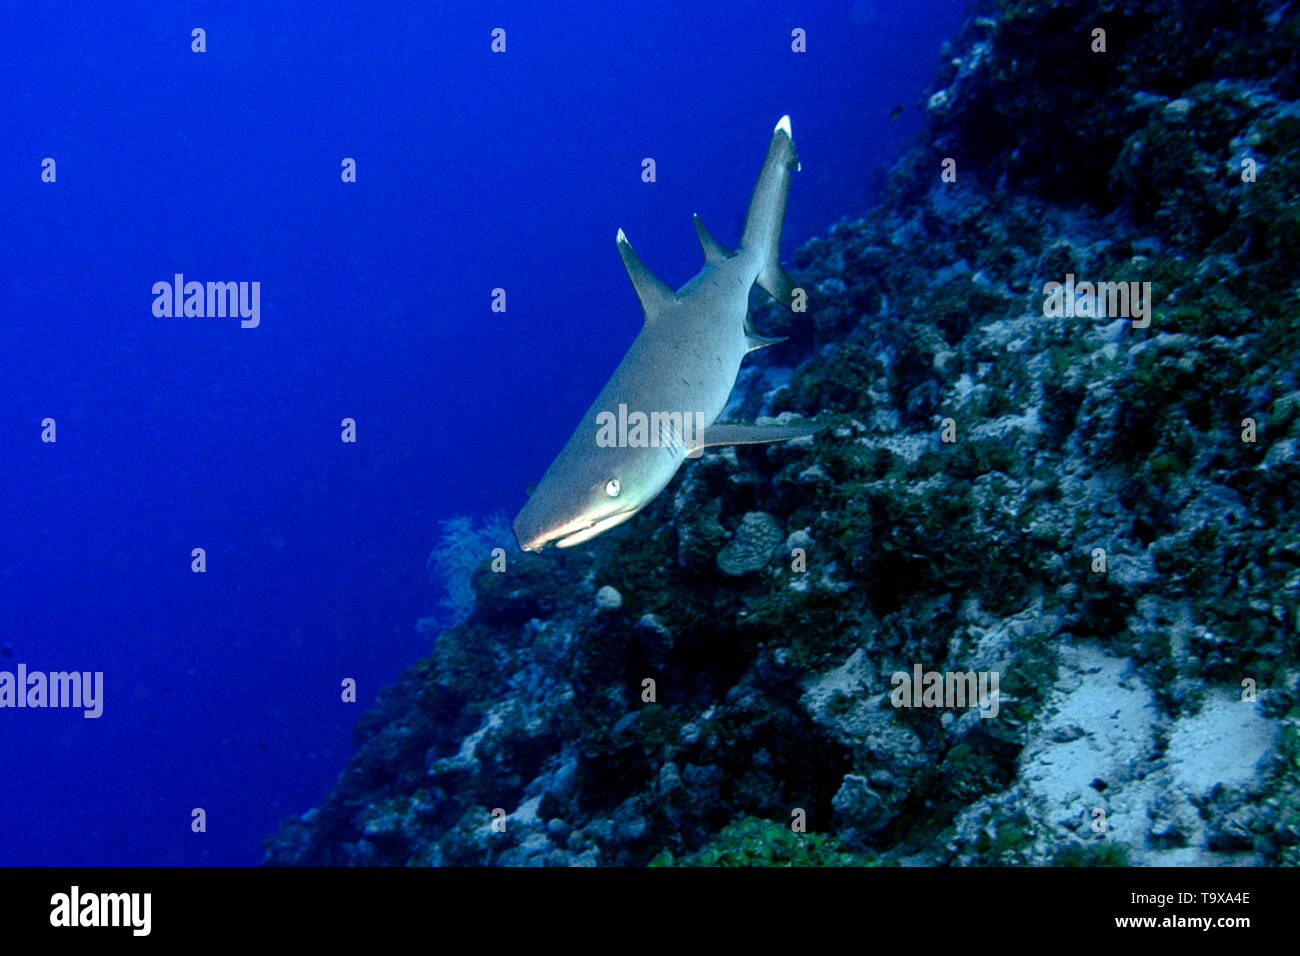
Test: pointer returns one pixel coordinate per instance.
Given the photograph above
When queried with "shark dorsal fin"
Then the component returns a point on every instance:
(655, 296)
(714, 251)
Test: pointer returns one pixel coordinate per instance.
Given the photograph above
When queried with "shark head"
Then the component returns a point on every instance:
(589, 489)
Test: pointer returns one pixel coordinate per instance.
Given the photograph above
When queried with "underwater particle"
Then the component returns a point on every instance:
(608, 598)
(751, 548)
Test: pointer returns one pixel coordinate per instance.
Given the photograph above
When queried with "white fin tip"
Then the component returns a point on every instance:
(783, 125)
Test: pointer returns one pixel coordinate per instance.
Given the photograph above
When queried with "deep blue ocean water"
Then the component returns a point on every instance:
(475, 171)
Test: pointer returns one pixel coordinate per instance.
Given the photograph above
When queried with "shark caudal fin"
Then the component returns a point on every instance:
(767, 213)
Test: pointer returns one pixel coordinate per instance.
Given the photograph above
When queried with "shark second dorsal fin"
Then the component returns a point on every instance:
(655, 296)
(714, 251)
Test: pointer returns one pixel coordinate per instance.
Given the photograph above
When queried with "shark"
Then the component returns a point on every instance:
(662, 402)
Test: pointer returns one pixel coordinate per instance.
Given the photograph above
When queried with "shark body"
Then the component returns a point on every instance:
(674, 380)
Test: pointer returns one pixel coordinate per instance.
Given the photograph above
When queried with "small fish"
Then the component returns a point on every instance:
(896, 112)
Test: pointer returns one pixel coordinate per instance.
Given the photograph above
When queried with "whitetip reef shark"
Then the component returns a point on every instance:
(660, 405)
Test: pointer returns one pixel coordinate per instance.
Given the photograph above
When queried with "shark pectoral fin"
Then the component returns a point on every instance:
(748, 435)
(754, 342)
(655, 296)
(714, 251)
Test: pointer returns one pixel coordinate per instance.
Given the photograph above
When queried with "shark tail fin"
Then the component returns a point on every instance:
(767, 213)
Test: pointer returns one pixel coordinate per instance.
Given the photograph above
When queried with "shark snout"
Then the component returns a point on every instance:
(529, 541)
(530, 536)
(536, 531)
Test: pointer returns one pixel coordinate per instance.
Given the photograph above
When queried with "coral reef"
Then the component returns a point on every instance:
(461, 548)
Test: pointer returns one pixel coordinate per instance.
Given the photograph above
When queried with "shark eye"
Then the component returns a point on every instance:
(612, 487)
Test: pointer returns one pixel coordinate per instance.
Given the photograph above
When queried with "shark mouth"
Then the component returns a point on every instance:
(577, 531)
(604, 524)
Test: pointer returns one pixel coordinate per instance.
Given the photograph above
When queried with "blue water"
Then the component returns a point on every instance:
(475, 171)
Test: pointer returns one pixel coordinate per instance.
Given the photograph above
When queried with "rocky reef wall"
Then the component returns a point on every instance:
(1094, 500)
